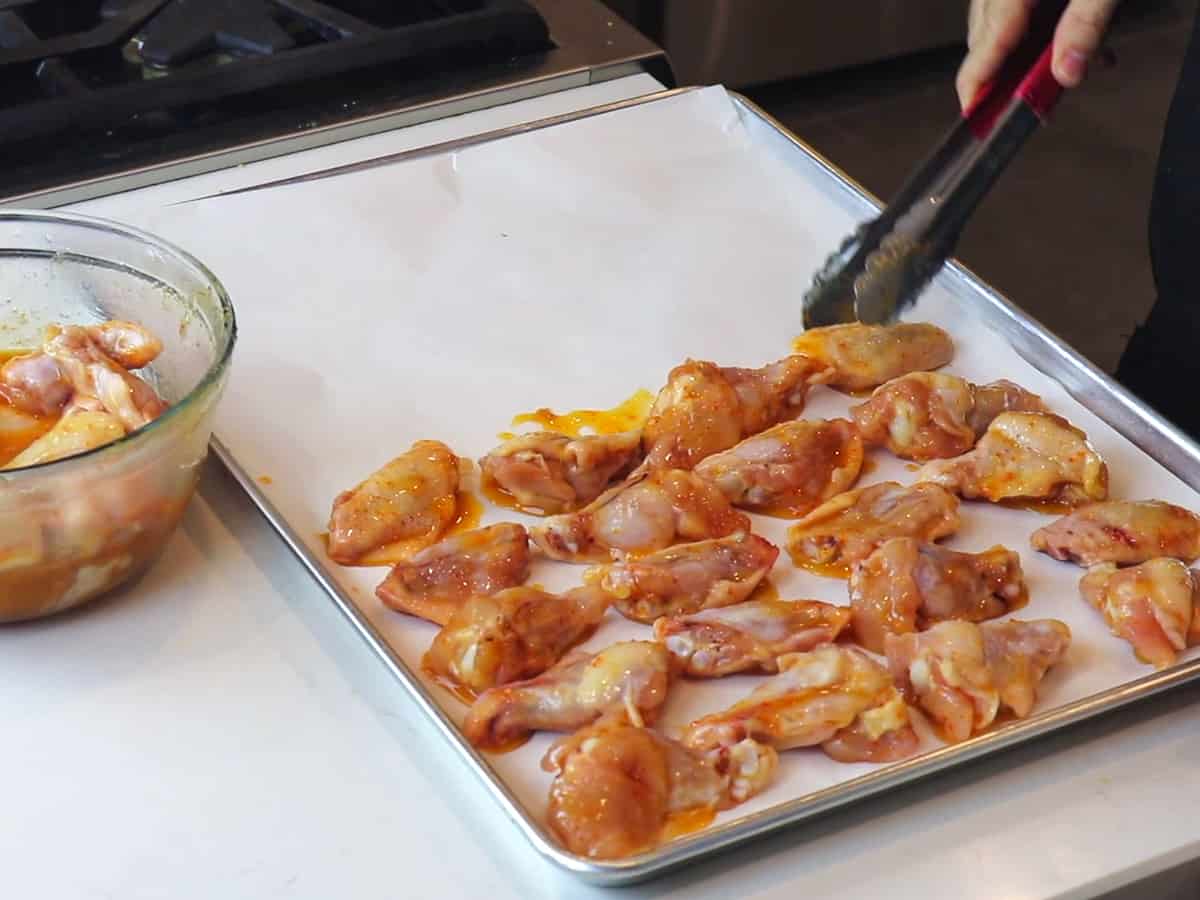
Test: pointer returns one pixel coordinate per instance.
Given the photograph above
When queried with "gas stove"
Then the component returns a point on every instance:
(98, 96)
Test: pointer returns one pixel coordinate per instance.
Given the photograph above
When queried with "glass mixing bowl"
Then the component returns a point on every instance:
(74, 529)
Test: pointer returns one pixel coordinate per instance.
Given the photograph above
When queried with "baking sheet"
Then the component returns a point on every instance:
(569, 267)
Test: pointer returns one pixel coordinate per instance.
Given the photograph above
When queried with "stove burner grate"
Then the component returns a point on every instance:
(66, 66)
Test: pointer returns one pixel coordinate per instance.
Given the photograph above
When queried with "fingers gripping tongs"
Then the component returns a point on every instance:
(882, 268)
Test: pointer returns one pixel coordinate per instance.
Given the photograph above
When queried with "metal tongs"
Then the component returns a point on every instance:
(882, 268)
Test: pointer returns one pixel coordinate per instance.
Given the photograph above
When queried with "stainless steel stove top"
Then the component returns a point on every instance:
(136, 92)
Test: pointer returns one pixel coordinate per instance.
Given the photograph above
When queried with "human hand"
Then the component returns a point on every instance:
(995, 27)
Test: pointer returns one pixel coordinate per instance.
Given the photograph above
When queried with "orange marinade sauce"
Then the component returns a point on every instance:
(628, 415)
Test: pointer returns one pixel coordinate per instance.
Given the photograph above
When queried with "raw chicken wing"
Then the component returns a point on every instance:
(788, 469)
(961, 674)
(750, 636)
(88, 363)
(922, 415)
(414, 497)
(865, 356)
(98, 381)
(705, 409)
(849, 527)
(1025, 456)
(437, 580)
(1123, 532)
(907, 586)
(834, 696)
(1152, 606)
(686, 578)
(652, 511)
(930, 415)
(629, 678)
(518, 633)
(616, 786)
(555, 473)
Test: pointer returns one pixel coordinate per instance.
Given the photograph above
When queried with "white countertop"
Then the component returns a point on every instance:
(219, 730)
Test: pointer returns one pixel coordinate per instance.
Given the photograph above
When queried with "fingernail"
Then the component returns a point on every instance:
(1071, 67)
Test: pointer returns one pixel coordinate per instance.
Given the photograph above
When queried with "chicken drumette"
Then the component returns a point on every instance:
(835, 696)
(705, 408)
(961, 674)
(788, 469)
(518, 633)
(749, 636)
(1123, 532)
(907, 585)
(652, 511)
(554, 473)
(930, 415)
(866, 356)
(616, 785)
(1153, 606)
(435, 582)
(686, 578)
(629, 678)
(851, 526)
(1025, 456)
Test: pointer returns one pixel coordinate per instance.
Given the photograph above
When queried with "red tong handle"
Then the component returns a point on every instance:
(1025, 76)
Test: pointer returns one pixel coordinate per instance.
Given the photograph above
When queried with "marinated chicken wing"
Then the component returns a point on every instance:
(788, 469)
(865, 356)
(835, 696)
(922, 415)
(616, 786)
(850, 526)
(930, 415)
(961, 674)
(555, 473)
(95, 376)
(436, 581)
(1025, 456)
(750, 636)
(413, 497)
(907, 586)
(87, 363)
(651, 511)
(1152, 606)
(629, 678)
(705, 409)
(517, 633)
(1123, 532)
(686, 578)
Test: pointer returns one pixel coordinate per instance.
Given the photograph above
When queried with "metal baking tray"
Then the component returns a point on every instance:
(246, 453)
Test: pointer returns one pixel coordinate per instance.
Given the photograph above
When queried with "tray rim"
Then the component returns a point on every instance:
(1126, 414)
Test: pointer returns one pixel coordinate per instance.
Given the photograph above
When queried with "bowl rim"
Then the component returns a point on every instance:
(216, 370)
